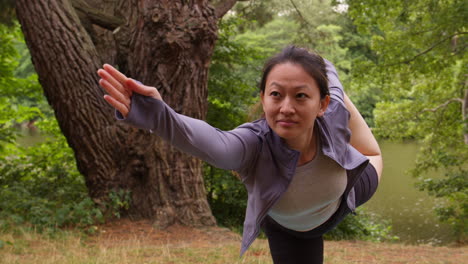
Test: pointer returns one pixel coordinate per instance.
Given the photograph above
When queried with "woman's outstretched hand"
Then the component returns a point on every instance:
(120, 89)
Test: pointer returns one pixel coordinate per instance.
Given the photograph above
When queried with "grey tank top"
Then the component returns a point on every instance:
(313, 195)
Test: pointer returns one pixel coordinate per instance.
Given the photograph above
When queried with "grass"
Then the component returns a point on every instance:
(189, 246)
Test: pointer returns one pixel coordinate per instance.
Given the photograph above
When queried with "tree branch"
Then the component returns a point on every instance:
(427, 50)
(223, 6)
(302, 18)
(435, 109)
(465, 111)
(97, 17)
(299, 13)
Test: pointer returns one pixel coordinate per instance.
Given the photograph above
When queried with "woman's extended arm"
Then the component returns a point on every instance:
(362, 138)
(142, 107)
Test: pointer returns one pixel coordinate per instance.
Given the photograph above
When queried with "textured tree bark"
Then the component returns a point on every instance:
(465, 113)
(167, 44)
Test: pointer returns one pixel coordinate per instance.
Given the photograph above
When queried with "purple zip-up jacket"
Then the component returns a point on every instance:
(263, 160)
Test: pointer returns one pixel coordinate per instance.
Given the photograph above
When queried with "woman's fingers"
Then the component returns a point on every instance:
(116, 83)
(142, 89)
(119, 77)
(115, 93)
(115, 73)
(123, 109)
(113, 82)
(120, 88)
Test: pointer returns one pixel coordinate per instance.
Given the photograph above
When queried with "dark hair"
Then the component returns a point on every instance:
(311, 62)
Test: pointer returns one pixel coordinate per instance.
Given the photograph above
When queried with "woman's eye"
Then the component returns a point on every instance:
(301, 95)
(275, 94)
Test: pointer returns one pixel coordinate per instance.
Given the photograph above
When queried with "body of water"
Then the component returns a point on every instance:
(410, 211)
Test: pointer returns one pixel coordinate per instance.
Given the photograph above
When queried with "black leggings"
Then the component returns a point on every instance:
(293, 247)
(286, 248)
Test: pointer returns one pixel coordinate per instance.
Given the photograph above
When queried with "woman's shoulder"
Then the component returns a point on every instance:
(259, 127)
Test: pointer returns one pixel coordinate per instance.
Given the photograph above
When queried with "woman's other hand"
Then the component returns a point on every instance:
(120, 89)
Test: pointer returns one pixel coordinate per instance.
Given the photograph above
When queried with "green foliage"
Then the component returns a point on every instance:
(227, 196)
(319, 29)
(232, 89)
(39, 185)
(420, 68)
(454, 189)
(362, 226)
(8, 54)
(232, 86)
(257, 12)
(310, 24)
(363, 92)
(119, 201)
(20, 97)
(271, 38)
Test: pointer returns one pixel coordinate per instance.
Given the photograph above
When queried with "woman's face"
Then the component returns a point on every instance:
(291, 102)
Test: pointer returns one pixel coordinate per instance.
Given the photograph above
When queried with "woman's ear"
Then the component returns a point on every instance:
(262, 98)
(324, 105)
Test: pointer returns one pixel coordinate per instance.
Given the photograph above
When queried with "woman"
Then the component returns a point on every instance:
(303, 169)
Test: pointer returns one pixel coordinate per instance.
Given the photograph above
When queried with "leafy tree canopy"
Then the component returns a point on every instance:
(420, 69)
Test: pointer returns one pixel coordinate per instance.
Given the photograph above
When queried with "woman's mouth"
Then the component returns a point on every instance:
(286, 122)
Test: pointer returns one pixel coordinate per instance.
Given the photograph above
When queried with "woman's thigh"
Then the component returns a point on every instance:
(286, 248)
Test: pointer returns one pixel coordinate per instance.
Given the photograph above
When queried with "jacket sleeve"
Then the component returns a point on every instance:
(334, 84)
(230, 150)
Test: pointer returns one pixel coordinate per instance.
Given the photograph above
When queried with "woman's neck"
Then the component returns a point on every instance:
(307, 147)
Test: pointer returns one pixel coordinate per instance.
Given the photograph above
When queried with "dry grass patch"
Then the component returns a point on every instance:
(137, 242)
(392, 253)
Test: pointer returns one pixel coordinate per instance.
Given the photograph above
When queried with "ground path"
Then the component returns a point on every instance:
(125, 242)
(206, 240)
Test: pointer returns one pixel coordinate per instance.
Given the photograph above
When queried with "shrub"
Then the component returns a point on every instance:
(362, 226)
(41, 185)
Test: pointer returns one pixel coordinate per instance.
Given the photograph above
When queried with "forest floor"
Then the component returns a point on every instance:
(127, 241)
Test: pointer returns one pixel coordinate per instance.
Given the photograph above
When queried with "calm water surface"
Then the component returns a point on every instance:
(410, 211)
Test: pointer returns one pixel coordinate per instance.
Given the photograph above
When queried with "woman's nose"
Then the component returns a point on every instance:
(287, 107)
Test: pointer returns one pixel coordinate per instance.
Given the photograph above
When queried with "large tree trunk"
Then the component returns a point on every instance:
(167, 44)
